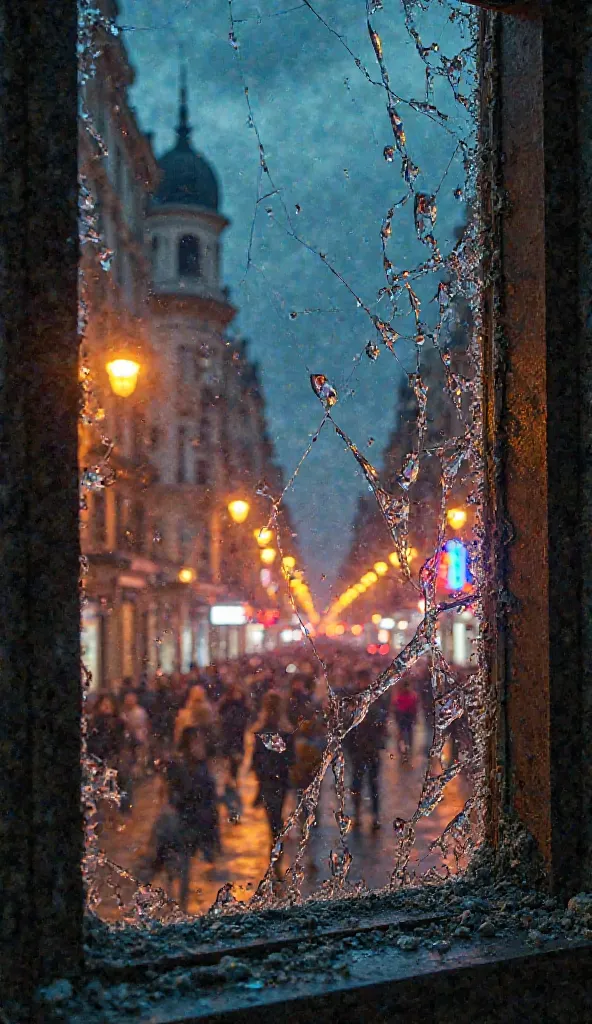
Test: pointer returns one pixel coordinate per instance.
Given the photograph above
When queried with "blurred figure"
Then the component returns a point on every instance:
(108, 740)
(404, 706)
(197, 711)
(105, 731)
(309, 743)
(301, 700)
(273, 756)
(192, 795)
(363, 746)
(137, 724)
(233, 716)
(162, 719)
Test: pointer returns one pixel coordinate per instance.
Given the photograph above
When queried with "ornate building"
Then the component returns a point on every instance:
(189, 435)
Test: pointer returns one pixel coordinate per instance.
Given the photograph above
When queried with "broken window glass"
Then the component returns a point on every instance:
(290, 701)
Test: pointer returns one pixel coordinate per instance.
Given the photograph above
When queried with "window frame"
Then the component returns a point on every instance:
(41, 932)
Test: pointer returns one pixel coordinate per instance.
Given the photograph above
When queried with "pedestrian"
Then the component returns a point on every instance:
(363, 745)
(105, 733)
(301, 700)
(273, 756)
(162, 720)
(404, 704)
(137, 725)
(108, 740)
(309, 743)
(198, 711)
(192, 795)
(233, 716)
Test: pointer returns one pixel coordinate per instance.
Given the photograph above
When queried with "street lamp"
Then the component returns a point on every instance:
(239, 510)
(456, 517)
(288, 562)
(264, 536)
(123, 376)
(380, 568)
(186, 575)
(268, 556)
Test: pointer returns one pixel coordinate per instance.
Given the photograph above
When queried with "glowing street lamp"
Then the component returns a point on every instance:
(456, 517)
(380, 568)
(264, 536)
(268, 556)
(376, 619)
(186, 575)
(123, 376)
(239, 510)
(394, 559)
(288, 562)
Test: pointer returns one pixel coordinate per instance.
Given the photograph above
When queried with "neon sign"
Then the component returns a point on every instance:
(457, 572)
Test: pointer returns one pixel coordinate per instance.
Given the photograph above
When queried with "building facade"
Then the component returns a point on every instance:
(167, 460)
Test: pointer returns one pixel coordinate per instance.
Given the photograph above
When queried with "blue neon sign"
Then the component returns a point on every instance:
(457, 568)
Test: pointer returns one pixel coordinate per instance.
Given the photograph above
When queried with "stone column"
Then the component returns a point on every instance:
(536, 122)
(40, 817)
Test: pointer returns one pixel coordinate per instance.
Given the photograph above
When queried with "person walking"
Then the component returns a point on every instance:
(108, 740)
(192, 795)
(233, 716)
(137, 724)
(273, 756)
(363, 746)
(405, 702)
(197, 711)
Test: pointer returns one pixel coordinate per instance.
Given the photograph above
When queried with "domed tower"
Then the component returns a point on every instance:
(189, 314)
(184, 224)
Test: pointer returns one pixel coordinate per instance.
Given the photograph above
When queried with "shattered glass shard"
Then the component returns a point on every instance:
(323, 389)
(273, 741)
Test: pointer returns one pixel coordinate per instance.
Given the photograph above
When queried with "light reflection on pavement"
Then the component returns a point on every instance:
(246, 845)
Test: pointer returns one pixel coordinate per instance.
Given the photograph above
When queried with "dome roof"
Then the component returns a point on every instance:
(187, 177)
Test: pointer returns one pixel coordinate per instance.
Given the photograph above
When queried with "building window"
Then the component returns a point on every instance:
(185, 542)
(181, 447)
(202, 472)
(154, 253)
(189, 256)
(138, 538)
(99, 520)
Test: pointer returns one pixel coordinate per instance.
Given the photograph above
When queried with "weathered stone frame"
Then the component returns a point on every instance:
(536, 110)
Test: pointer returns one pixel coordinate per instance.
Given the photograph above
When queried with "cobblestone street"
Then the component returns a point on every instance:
(246, 845)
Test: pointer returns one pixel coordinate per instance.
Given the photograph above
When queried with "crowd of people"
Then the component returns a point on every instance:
(264, 714)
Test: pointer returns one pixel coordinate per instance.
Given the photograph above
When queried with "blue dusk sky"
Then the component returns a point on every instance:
(324, 127)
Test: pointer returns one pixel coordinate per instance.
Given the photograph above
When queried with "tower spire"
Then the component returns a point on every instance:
(183, 126)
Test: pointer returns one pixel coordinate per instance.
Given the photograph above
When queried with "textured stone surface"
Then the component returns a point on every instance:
(537, 344)
(40, 820)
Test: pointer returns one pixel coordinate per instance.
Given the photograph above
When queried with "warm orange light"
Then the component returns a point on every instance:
(288, 562)
(239, 510)
(380, 568)
(360, 588)
(357, 630)
(371, 577)
(186, 575)
(376, 618)
(268, 555)
(123, 376)
(264, 536)
(339, 629)
(394, 559)
(456, 517)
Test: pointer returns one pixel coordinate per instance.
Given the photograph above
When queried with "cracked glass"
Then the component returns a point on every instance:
(285, 689)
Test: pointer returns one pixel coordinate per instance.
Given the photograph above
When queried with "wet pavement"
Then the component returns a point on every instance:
(246, 844)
